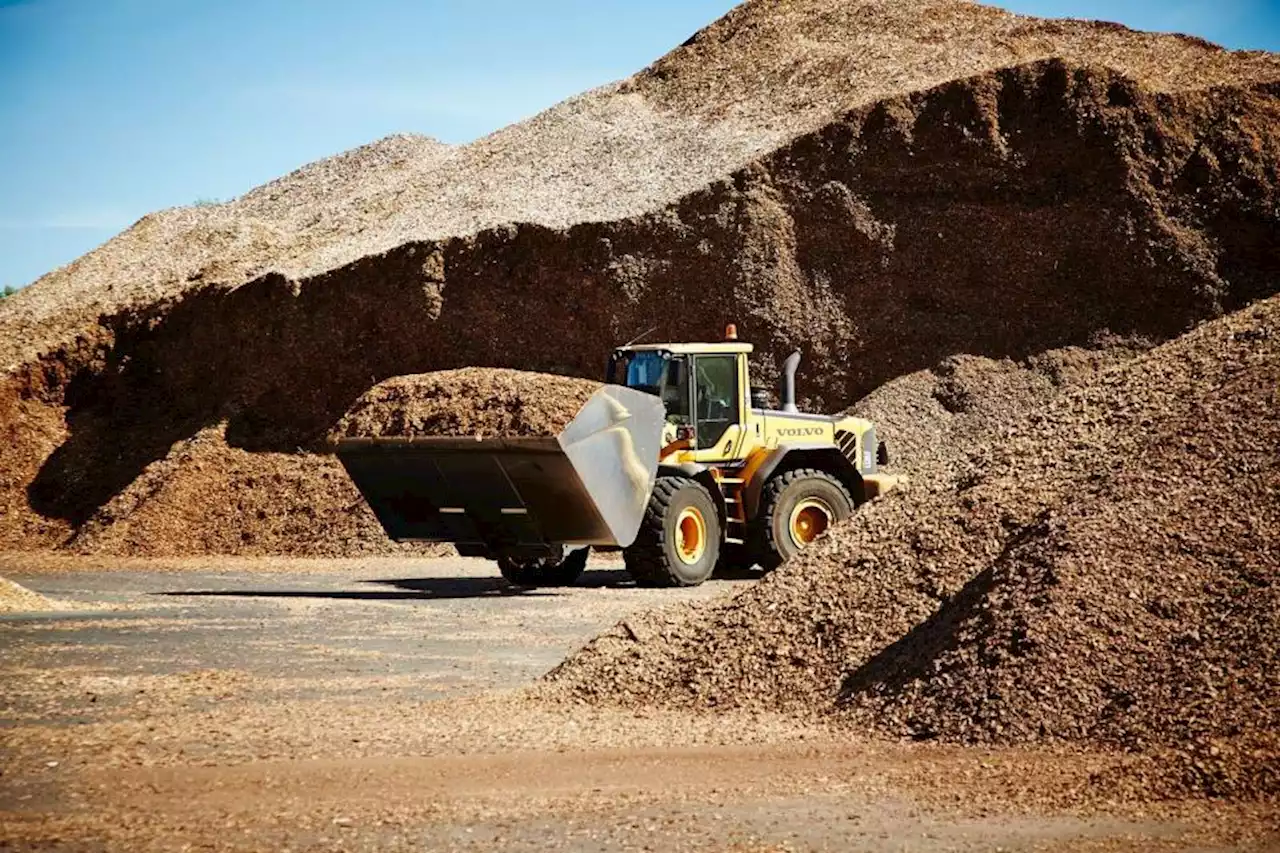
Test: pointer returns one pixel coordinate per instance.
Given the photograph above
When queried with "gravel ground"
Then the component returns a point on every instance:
(366, 705)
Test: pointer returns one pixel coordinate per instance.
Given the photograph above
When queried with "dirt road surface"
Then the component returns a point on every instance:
(383, 705)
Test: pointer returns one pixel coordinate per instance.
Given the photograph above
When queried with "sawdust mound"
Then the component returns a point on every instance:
(1109, 574)
(15, 598)
(468, 402)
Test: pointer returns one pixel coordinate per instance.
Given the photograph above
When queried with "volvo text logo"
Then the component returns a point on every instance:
(795, 432)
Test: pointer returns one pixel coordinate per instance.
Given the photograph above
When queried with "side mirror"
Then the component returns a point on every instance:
(759, 398)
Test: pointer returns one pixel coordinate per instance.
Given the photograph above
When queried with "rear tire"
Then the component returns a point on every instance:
(556, 570)
(679, 539)
(796, 508)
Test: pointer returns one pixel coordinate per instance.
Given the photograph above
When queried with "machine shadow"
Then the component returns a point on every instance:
(597, 579)
(738, 573)
(424, 589)
(442, 589)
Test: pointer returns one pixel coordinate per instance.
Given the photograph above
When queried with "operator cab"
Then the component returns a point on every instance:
(699, 384)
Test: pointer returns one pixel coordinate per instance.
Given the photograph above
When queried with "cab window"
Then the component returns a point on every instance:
(716, 397)
(675, 390)
(644, 371)
(662, 375)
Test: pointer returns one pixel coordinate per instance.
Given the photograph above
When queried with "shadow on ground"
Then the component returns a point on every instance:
(417, 589)
(424, 589)
(443, 589)
(607, 579)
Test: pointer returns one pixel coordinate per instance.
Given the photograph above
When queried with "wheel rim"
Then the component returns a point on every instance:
(691, 535)
(810, 519)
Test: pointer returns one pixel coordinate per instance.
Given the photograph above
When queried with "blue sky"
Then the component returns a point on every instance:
(113, 108)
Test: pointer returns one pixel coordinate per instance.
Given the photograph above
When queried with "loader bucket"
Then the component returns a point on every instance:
(518, 496)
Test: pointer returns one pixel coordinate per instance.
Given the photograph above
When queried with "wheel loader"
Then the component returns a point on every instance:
(678, 462)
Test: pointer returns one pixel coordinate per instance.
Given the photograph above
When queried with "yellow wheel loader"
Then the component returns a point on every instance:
(678, 462)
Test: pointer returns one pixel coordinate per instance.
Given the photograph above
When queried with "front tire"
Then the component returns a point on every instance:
(796, 508)
(558, 569)
(679, 539)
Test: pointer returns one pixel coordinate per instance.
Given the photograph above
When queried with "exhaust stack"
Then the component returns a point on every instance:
(789, 382)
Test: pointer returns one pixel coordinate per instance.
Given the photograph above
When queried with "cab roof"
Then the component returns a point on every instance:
(692, 348)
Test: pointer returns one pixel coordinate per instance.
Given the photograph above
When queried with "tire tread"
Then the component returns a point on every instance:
(646, 557)
(766, 544)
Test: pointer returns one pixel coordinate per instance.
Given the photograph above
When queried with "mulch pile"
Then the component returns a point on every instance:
(1107, 573)
(473, 401)
(746, 85)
